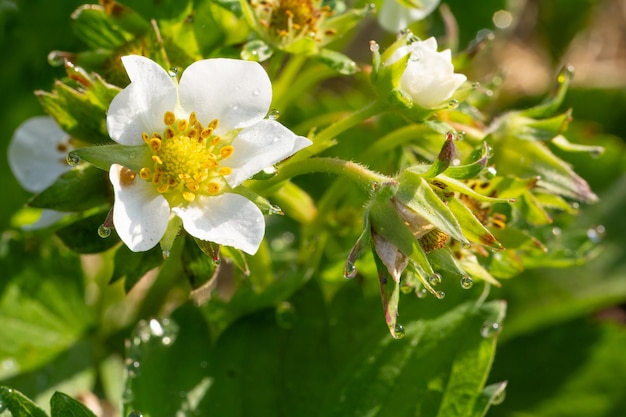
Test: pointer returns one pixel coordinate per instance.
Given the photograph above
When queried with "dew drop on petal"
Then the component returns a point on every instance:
(104, 231)
(349, 270)
(398, 331)
(466, 282)
(434, 279)
(72, 159)
(173, 72)
(273, 114)
(490, 328)
(256, 92)
(415, 56)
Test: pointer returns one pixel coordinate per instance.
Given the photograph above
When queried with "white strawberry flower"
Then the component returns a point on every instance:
(428, 78)
(203, 136)
(396, 15)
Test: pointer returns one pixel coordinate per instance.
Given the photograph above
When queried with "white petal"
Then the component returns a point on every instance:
(430, 44)
(140, 213)
(227, 219)
(237, 93)
(394, 17)
(260, 146)
(141, 105)
(37, 153)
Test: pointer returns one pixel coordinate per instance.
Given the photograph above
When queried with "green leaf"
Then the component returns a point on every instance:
(133, 157)
(198, 265)
(98, 29)
(62, 405)
(76, 190)
(134, 265)
(82, 236)
(18, 404)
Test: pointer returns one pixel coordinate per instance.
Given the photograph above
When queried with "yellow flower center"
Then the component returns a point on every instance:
(186, 159)
(289, 19)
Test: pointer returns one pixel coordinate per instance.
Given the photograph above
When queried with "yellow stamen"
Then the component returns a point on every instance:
(155, 144)
(169, 118)
(225, 171)
(213, 188)
(145, 137)
(226, 151)
(189, 196)
(127, 177)
(145, 173)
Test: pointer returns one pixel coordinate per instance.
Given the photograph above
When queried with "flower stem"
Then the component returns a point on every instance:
(357, 173)
(326, 138)
(285, 80)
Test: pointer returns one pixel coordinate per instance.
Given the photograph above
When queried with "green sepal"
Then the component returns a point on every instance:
(505, 264)
(472, 228)
(445, 263)
(233, 6)
(295, 202)
(476, 271)
(75, 190)
(237, 257)
(522, 128)
(416, 193)
(199, 268)
(514, 238)
(132, 157)
(444, 159)
(452, 184)
(389, 294)
(531, 210)
(342, 21)
(80, 108)
(363, 241)
(256, 50)
(337, 61)
(82, 236)
(62, 405)
(261, 202)
(134, 265)
(490, 395)
(552, 103)
(563, 144)
(555, 202)
(101, 30)
(471, 170)
(387, 223)
(18, 404)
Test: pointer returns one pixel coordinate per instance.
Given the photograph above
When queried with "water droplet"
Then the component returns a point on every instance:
(440, 295)
(132, 155)
(256, 92)
(275, 210)
(475, 85)
(453, 104)
(173, 72)
(566, 74)
(490, 328)
(104, 231)
(556, 231)
(349, 270)
(135, 414)
(512, 200)
(57, 58)
(72, 159)
(406, 289)
(460, 135)
(434, 279)
(273, 114)
(466, 245)
(575, 205)
(595, 234)
(166, 254)
(466, 282)
(286, 316)
(234, 107)
(398, 331)
(374, 47)
(370, 8)
(498, 398)
(492, 172)
(421, 293)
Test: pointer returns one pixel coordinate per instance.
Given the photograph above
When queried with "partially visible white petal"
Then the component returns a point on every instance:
(394, 17)
(227, 219)
(37, 153)
(141, 105)
(237, 93)
(140, 213)
(260, 146)
(394, 260)
(430, 44)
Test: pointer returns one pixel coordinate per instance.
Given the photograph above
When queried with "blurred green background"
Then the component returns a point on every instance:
(563, 345)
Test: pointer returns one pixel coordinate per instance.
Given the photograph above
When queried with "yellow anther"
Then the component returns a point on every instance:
(192, 185)
(157, 135)
(145, 137)
(211, 164)
(189, 196)
(206, 133)
(213, 124)
(169, 118)
(193, 134)
(157, 177)
(169, 133)
(182, 125)
(225, 171)
(213, 188)
(193, 119)
(172, 182)
(127, 177)
(162, 188)
(215, 140)
(145, 173)
(200, 177)
(226, 151)
(155, 144)
(157, 159)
